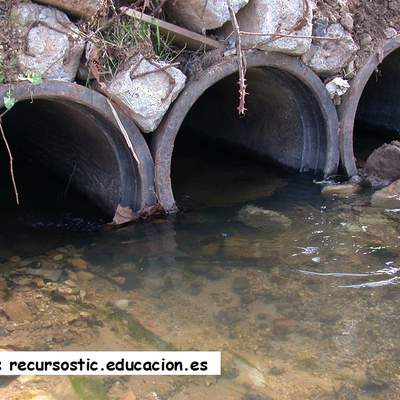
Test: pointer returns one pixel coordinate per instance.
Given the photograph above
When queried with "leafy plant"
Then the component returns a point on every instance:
(1, 73)
(9, 100)
(127, 38)
(33, 77)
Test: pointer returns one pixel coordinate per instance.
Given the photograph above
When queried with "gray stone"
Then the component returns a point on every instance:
(337, 87)
(330, 57)
(84, 276)
(122, 304)
(53, 46)
(266, 220)
(280, 17)
(383, 165)
(48, 274)
(347, 22)
(201, 15)
(147, 90)
(390, 33)
(388, 197)
(366, 40)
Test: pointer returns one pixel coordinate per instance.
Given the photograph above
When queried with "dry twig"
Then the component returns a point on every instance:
(11, 162)
(124, 132)
(281, 35)
(240, 59)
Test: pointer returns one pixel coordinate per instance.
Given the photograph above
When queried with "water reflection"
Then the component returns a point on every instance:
(282, 307)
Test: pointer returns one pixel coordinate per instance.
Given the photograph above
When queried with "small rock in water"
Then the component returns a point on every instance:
(130, 396)
(17, 311)
(229, 316)
(119, 280)
(78, 263)
(122, 304)
(388, 197)
(240, 285)
(84, 276)
(48, 274)
(383, 165)
(266, 220)
(340, 190)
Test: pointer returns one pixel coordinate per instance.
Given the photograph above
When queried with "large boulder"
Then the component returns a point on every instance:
(148, 88)
(52, 46)
(288, 17)
(266, 220)
(383, 165)
(201, 15)
(329, 57)
(388, 197)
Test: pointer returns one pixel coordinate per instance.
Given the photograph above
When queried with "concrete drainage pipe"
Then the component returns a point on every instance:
(370, 111)
(290, 117)
(72, 131)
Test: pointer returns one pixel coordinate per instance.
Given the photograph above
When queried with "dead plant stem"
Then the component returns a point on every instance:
(11, 162)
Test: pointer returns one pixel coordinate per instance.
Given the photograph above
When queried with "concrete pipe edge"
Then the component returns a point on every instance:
(162, 144)
(135, 171)
(348, 109)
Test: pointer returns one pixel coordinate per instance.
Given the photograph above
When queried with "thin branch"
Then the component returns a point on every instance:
(11, 163)
(123, 131)
(279, 35)
(240, 59)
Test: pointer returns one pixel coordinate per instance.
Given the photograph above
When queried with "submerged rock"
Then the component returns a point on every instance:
(78, 263)
(267, 249)
(383, 165)
(148, 88)
(122, 304)
(344, 190)
(388, 197)
(201, 15)
(240, 284)
(53, 46)
(47, 274)
(266, 220)
(277, 16)
(17, 311)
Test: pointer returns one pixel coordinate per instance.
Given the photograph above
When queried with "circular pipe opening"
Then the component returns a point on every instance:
(290, 118)
(369, 113)
(70, 154)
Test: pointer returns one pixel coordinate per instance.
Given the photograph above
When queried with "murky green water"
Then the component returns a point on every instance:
(311, 312)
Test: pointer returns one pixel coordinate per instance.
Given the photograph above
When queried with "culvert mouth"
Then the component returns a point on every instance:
(370, 112)
(69, 150)
(290, 119)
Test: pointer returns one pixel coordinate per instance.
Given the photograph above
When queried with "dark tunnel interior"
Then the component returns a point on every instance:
(63, 165)
(282, 130)
(378, 114)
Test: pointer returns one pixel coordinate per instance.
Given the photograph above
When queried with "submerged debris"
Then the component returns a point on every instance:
(266, 220)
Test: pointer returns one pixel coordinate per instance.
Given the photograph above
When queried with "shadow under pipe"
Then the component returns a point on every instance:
(72, 132)
(290, 117)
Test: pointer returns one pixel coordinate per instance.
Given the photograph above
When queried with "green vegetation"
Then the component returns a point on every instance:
(9, 100)
(127, 38)
(88, 388)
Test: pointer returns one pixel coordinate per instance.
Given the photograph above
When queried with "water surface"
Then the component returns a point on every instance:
(308, 313)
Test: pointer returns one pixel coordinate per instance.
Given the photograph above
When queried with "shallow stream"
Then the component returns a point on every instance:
(311, 312)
